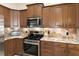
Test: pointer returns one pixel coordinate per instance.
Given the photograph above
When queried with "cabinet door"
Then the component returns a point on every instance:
(53, 49)
(19, 46)
(73, 52)
(15, 18)
(52, 17)
(47, 48)
(73, 49)
(7, 20)
(23, 18)
(34, 10)
(55, 16)
(58, 16)
(64, 15)
(1, 10)
(77, 15)
(71, 20)
(13, 47)
(46, 17)
(69, 15)
(10, 47)
(30, 11)
(60, 49)
(37, 10)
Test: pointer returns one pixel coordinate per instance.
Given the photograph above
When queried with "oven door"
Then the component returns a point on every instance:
(31, 49)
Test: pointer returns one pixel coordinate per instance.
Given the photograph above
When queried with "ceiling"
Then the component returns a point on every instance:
(21, 6)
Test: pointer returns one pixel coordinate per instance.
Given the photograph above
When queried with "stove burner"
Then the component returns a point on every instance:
(34, 37)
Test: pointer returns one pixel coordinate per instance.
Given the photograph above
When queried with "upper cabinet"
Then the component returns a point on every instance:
(1, 10)
(23, 18)
(63, 15)
(6, 13)
(69, 15)
(77, 15)
(56, 16)
(15, 18)
(34, 10)
(46, 16)
(52, 16)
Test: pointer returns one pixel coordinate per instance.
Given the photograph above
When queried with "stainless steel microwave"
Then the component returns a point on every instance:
(34, 22)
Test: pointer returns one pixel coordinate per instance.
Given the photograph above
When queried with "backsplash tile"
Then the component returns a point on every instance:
(60, 32)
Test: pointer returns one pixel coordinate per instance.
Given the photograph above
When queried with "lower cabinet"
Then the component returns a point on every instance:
(47, 48)
(53, 49)
(73, 49)
(73, 52)
(59, 49)
(13, 46)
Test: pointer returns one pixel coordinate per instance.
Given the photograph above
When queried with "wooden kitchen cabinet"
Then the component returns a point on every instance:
(23, 18)
(60, 16)
(52, 20)
(60, 49)
(15, 18)
(71, 21)
(69, 15)
(73, 52)
(19, 46)
(53, 49)
(7, 20)
(34, 10)
(57, 16)
(6, 13)
(9, 47)
(1, 10)
(46, 17)
(52, 16)
(47, 48)
(77, 15)
(73, 49)
(13, 46)
(64, 15)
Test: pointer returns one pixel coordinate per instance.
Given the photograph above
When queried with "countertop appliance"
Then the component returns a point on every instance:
(34, 22)
(32, 43)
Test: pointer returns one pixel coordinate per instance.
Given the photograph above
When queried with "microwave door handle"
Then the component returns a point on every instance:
(38, 21)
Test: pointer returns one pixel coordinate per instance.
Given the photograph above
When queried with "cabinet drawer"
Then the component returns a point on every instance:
(73, 52)
(74, 46)
(56, 44)
(47, 43)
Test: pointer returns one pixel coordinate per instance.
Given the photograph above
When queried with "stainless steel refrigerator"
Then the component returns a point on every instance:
(1, 35)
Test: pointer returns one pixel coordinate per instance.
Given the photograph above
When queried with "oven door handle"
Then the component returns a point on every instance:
(31, 43)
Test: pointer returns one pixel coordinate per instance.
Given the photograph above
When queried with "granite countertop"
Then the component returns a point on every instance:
(62, 40)
(11, 37)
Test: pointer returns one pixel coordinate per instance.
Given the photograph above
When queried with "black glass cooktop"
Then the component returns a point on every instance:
(34, 37)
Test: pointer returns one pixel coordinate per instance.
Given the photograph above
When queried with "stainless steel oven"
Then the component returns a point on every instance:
(32, 47)
(32, 43)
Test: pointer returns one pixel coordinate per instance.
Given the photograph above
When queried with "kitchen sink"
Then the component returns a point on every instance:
(14, 33)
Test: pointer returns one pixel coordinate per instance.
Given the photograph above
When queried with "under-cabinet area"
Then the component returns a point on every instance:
(39, 30)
